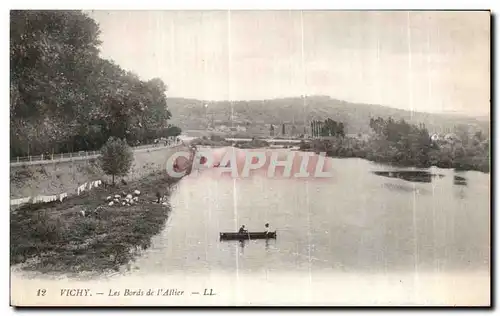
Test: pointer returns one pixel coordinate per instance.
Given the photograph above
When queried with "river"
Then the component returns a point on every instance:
(403, 242)
(356, 221)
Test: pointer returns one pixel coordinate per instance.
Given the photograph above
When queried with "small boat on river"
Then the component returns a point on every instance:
(249, 235)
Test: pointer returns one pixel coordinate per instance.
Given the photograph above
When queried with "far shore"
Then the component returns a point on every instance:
(484, 168)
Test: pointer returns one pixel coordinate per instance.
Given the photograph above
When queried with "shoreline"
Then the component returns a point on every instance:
(402, 165)
(83, 235)
(381, 162)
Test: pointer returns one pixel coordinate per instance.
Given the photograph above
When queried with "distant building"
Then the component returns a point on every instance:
(241, 128)
(359, 136)
(451, 137)
(222, 128)
(435, 137)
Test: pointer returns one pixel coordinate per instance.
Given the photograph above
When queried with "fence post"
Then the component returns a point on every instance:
(17, 158)
(52, 156)
(30, 158)
(41, 157)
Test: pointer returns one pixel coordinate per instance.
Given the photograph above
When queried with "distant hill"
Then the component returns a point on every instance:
(255, 114)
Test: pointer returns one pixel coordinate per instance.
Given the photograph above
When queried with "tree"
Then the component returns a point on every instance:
(116, 157)
(64, 97)
(173, 130)
(332, 128)
(341, 129)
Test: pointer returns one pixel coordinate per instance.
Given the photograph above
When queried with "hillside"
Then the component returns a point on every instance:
(255, 114)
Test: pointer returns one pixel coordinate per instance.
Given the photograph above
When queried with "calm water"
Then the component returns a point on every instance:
(357, 221)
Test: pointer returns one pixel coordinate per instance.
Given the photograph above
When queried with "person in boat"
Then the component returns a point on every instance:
(242, 230)
(267, 228)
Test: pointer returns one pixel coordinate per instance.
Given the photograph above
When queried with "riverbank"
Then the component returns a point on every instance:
(89, 233)
(57, 237)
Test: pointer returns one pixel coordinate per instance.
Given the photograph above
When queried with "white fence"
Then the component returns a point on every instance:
(55, 156)
(87, 186)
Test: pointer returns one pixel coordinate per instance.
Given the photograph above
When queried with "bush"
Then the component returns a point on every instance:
(116, 157)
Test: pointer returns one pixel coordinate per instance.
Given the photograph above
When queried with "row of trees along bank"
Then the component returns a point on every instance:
(404, 144)
(65, 98)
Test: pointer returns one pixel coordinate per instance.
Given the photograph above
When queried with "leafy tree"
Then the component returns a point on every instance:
(116, 157)
(173, 131)
(64, 97)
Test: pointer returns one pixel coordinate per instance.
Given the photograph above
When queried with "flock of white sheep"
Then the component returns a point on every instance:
(124, 198)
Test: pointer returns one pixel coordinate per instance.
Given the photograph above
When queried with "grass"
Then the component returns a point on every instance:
(54, 237)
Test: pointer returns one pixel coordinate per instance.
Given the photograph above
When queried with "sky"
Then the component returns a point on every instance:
(418, 60)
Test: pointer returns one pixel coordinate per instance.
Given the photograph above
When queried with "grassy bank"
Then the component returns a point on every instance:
(56, 237)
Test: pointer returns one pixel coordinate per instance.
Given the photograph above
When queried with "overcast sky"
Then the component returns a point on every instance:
(425, 61)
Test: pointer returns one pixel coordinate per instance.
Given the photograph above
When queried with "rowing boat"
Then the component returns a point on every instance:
(249, 235)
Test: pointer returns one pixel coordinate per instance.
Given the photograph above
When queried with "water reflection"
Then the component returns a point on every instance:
(404, 188)
(412, 176)
(359, 221)
(242, 244)
(460, 194)
(458, 180)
